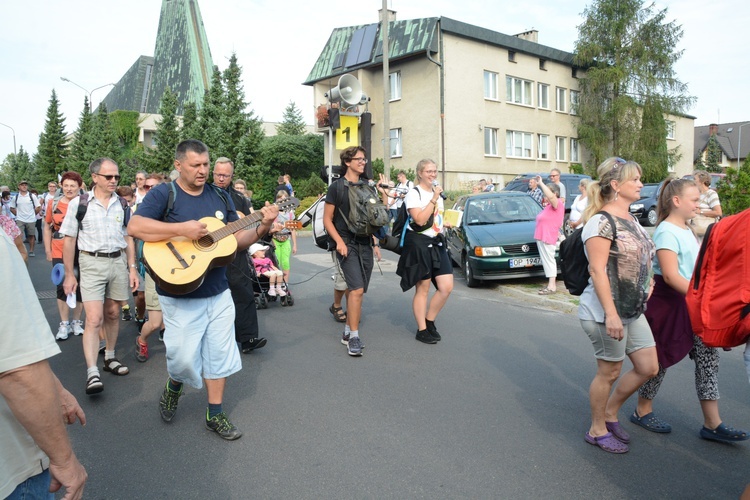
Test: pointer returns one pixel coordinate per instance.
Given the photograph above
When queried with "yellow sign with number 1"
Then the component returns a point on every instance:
(348, 134)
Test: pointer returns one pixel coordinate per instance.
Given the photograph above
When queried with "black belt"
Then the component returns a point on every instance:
(112, 255)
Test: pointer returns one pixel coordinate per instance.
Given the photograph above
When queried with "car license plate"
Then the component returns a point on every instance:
(532, 261)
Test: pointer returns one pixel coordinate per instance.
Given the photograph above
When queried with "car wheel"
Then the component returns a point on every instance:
(652, 216)
(471, 281)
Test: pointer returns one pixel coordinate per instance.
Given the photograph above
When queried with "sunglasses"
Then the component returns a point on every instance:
(148, 186)
(110, 177)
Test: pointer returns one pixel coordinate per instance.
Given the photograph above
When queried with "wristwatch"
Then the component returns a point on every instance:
(133, 266)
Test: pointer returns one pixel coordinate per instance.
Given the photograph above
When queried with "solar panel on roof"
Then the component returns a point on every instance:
(360, 48)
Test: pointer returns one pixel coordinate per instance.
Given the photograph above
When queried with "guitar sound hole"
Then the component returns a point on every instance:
(205, 242)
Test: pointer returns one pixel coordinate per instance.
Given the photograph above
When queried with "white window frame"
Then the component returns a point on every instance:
(526, 91)
(671, 126)
(670, 164)
(491, 80)
(539, 94)
(575, 97)
(575, 153)
(560, 103)
(490, 142)
(560, 148)
(542, 147)
(396, 136)
(394, 80)
(525, 148)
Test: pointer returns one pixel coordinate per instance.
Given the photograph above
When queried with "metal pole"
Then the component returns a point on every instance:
(330, 154)
(91, 104)
(14, 137)
(386, 96)
(739, 147)
(74, 83)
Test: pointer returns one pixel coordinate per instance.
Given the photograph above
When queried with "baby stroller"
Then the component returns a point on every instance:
(261, 284)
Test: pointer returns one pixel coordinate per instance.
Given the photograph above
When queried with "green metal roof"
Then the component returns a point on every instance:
(414, 36)
(406, 39)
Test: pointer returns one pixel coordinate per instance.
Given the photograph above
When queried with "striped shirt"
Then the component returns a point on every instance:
(102, 230)
(708, 200)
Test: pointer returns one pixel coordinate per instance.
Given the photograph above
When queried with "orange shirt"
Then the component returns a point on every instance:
(55, 219)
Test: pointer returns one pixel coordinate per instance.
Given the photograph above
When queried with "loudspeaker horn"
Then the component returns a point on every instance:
(348, 91)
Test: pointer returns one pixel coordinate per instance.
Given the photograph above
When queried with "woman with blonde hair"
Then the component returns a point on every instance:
(611, 307)
(709, 206)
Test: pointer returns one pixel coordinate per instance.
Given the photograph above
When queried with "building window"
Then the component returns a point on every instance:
(670, 129)
(490, 85)
(517, 90)
(543, 96)
(490, 141)
(518, 144)
(395, 79)
(574, 98)
(543, 64)
(396, 150)
(560, 106)
(543, 147)
(511, 56)
(560, 149)
(574, 156)
(670, 163)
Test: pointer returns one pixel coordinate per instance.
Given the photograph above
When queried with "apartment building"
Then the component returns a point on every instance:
(481, 103)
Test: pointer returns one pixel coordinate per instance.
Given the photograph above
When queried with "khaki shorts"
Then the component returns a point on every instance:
(152, 298)
(339, 282)
(637, 335)
(102, 277)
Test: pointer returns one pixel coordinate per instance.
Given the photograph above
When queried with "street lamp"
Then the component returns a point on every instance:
(739, 146)
(14, 136)
(89, 92)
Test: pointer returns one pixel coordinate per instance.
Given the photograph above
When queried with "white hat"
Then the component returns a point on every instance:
(257, 246)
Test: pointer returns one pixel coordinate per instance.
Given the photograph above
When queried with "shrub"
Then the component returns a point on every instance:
(734, 190)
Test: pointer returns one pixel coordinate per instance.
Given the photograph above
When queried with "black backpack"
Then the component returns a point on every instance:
(83, 205)
(574, 265)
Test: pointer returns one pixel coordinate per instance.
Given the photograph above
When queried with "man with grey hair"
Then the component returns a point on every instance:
(103, 244)
(554, 176)
(246, 315)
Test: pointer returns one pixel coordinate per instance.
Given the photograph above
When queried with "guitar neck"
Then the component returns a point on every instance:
(235, 226)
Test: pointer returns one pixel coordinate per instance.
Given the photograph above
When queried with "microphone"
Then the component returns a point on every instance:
(436, 184)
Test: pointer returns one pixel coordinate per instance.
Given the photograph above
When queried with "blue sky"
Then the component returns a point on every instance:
(93, 43)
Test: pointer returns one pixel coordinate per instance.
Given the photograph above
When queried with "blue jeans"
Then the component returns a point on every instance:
(33, 488)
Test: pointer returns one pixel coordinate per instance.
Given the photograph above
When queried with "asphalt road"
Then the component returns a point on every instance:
(498, 409)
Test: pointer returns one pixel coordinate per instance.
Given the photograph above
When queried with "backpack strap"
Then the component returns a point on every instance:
(172, 196)
(83, 205)
(701, 256)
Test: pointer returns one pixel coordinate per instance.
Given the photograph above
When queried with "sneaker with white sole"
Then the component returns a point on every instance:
(354, 346)
(280, 292)
(272, 292)
(77, 326)
(63, 331)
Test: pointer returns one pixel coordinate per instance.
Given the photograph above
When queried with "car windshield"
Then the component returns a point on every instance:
(649, 191)
(500, 209)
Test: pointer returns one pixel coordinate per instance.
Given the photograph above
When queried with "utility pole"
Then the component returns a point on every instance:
(386, 95)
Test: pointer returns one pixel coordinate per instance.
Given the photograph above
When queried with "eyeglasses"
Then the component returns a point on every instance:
(148, 186)
(109, 177)
(222, 176)
(361, 160)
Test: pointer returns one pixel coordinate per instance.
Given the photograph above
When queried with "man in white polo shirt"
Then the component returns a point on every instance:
(25, 206)
(103, 244)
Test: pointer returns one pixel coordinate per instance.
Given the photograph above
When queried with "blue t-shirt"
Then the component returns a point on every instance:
(188, 207)
(681, 241)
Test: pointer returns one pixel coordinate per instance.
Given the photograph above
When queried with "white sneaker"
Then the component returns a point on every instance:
(77, 326)
(271, 292)
(63, 331)
(280, 292)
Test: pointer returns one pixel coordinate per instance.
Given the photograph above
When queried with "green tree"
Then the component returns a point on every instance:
(131, 156)
(105, 142)
(296, 155)
(628, 52)
(241, 131)
(82, 148)
(292, 122)
(652, 155)
(713, 155)
(210, 113)
(15, 168)
(167, 134)
(50, 156)
(191, 128)
(734, 190)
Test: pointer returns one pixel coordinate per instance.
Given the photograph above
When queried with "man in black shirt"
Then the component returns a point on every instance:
(238, 272)
(355, 253)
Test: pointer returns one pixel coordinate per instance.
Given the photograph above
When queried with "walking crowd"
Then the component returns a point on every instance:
(634, 304)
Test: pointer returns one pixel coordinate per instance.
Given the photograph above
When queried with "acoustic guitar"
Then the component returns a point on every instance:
(179, 265)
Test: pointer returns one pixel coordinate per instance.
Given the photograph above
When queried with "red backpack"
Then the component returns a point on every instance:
(718, 298)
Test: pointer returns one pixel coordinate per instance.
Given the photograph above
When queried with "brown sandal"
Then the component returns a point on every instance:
(338, 313)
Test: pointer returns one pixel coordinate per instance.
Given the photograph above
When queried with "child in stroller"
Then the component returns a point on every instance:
(265, 267)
